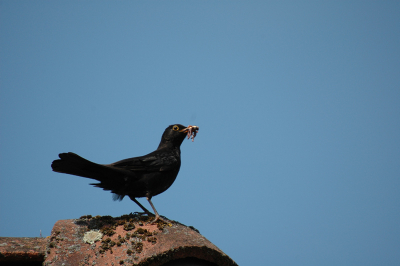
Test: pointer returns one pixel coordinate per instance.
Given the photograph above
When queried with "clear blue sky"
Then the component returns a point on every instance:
(297, 161)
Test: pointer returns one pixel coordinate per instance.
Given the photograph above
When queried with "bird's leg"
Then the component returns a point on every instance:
(155, 211)
(141, 206)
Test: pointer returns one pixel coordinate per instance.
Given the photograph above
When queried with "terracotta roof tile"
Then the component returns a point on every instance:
(22, 248)
(127, 240)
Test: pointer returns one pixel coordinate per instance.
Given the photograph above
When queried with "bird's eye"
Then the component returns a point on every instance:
(176, 128)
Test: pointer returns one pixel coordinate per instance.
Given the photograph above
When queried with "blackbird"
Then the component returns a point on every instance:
(144, 176)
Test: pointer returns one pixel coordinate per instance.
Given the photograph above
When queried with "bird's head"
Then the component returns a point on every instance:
(175, 134)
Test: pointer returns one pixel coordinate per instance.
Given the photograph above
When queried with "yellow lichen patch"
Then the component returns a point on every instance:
(92, 236)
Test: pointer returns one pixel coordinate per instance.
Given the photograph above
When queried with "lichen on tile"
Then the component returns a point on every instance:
(92, 236)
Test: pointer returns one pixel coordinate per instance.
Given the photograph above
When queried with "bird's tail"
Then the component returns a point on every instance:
(71, 163)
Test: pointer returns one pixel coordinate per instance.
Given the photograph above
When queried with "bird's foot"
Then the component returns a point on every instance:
(158, 218)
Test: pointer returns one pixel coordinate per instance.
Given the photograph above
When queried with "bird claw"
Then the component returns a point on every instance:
(156, 219)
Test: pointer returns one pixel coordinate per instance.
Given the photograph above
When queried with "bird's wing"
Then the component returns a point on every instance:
(153, 162)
